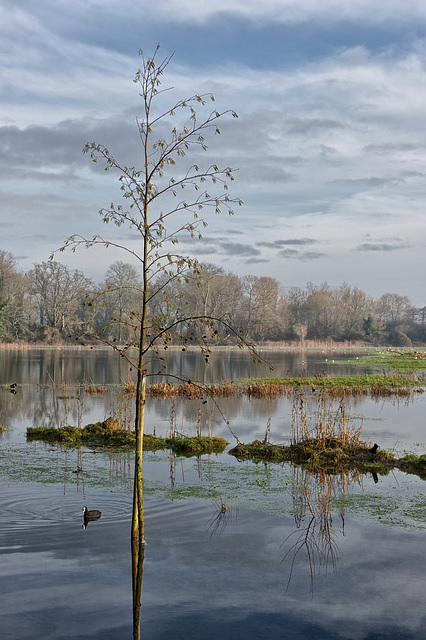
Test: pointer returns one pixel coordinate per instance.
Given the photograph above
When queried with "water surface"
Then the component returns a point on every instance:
(260, 569)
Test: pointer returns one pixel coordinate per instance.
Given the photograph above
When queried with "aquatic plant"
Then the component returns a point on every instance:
(223, 513)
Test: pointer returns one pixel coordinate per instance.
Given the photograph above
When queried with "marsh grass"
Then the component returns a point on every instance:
(96, 389)
(397, 384)
(322, 420)
(393, 360)
(121, 410)
(376, 385)
(323, 439)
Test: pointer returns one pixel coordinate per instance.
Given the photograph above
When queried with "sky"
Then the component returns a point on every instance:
(329, 145)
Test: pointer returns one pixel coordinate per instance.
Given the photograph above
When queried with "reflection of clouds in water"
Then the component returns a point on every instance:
(248, 554)
(234, 581)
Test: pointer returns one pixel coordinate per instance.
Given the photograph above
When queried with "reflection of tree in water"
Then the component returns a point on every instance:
(121, 467)
(138, 554)
(313, 495)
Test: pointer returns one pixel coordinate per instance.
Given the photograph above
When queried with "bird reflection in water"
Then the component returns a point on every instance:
(89, 516)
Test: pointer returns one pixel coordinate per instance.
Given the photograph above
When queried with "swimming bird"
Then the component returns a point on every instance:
(13, 386)
(91, 515)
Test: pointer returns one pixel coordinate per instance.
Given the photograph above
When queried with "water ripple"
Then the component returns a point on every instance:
(27, 506)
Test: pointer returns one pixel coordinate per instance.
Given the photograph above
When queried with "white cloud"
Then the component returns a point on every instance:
(285, 11)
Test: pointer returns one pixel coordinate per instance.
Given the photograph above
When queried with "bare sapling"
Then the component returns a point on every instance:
(162, 200)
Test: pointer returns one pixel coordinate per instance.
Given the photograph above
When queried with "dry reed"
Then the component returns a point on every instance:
(121, 410)
(323, 421)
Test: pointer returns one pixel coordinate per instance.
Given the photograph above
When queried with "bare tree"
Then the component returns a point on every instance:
(12, 298)
(59, 294)
(393, 308)
(262, 307)
(120, 295)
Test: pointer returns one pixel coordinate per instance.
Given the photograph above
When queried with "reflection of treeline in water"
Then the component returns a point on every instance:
(50, 303)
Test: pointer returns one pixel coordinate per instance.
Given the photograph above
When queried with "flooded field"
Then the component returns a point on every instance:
(234, 549)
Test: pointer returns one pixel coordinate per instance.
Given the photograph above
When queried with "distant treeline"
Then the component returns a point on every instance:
(51, 304)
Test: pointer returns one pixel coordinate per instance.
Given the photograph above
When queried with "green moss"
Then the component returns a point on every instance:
(63, 435)
(185, 446)
(414, 464)
(197, 446)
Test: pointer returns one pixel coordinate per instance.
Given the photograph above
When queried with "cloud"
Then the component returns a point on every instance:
(283, 11)
(237, 249)
(290, 241)
(363, 183)
(218, 246)
(289, 253)
(257, 261)
(312, 255)
(304, 256)
(312, 126)
(380, 246)
(389, 147)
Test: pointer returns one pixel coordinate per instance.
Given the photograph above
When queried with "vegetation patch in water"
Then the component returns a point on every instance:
(107, 434)
(324, 439)
(401, 384)
(330, 455)
(379, 384)
(186, 446)
(393, 360)
(413, 464)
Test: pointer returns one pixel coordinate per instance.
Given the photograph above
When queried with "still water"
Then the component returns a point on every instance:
(263, 567)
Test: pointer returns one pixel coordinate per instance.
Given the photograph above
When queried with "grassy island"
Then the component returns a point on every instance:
(107, 434)
(323, 439)
(331, 456)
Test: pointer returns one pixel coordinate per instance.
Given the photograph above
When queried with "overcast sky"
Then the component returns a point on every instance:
(330, 143)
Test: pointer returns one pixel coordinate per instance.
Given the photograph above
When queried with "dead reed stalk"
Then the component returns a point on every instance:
(199, 421)
(173, 419)
(121, 409)
(317, 418)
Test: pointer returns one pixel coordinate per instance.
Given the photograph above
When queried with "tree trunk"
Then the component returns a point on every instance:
(137, 516)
